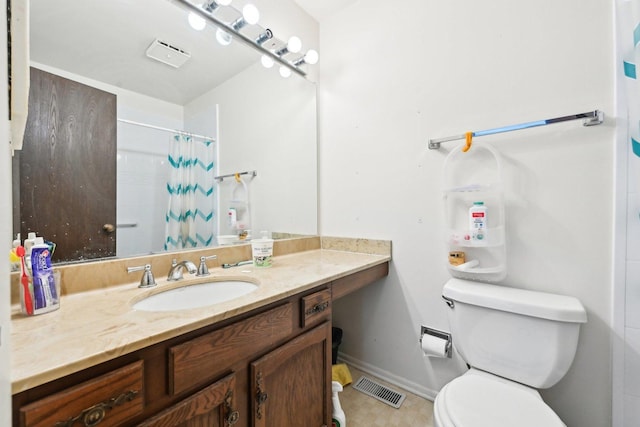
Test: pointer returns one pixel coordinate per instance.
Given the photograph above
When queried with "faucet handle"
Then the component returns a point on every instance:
(147, 280)
(203, 270)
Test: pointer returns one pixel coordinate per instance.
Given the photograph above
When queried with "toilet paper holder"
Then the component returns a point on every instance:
(424, 330)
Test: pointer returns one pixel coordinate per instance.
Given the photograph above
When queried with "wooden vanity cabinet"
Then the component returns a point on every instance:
(202, 378)
(270, 367)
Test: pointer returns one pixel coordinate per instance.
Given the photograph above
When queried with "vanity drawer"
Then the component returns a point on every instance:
(109, 400)
(315, 307)
(216, 351)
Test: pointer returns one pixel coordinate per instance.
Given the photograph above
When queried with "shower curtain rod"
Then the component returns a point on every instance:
(592, 118)
(181, 132)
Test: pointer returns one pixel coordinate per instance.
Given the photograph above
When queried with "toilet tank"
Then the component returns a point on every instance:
(525, 336)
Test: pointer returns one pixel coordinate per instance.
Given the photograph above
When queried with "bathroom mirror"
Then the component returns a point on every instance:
(261, 121)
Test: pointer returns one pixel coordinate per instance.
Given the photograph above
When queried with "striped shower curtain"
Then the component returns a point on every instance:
(628, 18)
(191, 212)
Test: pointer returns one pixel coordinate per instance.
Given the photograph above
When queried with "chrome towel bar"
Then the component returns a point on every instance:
(591, 118)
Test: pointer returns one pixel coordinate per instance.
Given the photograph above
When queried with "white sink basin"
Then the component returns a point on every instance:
(194, 296)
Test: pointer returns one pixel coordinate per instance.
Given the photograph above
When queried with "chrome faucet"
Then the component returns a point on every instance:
(147, 279)
(203, 270)
(175, 272)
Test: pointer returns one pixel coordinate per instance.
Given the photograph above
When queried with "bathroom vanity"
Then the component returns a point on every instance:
(263, 359)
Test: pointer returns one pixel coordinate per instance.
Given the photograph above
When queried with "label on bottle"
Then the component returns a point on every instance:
(478, 222)
(232, 217)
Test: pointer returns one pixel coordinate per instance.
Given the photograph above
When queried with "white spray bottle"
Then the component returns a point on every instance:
(338, 417)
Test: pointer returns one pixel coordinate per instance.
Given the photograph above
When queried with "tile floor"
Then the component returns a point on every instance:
(365, 411)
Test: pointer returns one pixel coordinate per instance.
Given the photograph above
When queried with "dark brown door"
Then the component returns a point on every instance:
(67, 167)
(291, 386)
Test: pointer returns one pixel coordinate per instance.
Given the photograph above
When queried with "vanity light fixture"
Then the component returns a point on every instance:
(250, 15)
(293, 46)
(196, 21)
(263, 37)
(272, 52)
(212, 5)
(311, 57)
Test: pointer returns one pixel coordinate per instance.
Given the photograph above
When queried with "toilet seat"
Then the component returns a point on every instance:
(479, 399)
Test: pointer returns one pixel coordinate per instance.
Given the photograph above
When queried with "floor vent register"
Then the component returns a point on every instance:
(380, 392)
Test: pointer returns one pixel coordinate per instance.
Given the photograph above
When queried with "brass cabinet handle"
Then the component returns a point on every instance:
(232, 415)
(108, 228)
(317, 308)
(261, 396)
(95, 414)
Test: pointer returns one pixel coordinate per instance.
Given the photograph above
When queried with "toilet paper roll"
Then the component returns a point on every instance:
(434, 346)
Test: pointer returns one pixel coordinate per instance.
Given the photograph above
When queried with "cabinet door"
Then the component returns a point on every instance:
(291, 386)
(213, 406)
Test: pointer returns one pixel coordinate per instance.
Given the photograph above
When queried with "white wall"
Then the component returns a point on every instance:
(393, 75)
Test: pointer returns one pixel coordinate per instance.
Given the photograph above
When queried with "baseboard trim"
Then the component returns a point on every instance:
(410, 386)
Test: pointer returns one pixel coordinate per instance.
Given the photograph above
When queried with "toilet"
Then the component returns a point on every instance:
(515, 341)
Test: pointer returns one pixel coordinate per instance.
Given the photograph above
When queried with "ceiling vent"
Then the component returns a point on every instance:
(167, 54)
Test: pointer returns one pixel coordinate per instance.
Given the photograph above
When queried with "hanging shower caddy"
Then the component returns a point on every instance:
(475, 176)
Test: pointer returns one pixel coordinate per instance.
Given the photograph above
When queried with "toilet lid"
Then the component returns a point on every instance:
(482, 401)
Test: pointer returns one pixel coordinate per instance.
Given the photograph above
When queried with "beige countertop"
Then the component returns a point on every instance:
(98, 325)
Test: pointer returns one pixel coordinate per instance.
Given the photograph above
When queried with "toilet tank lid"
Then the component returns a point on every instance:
(530, 303)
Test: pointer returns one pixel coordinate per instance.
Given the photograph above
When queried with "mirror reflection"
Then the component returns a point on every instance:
(220, 100)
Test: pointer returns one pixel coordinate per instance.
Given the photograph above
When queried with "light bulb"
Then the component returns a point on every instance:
(285, 72)
(223, 37)
(267, 61)
(250, 14)
(294, 44)
(196, 21)
(311, 57)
